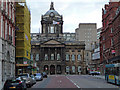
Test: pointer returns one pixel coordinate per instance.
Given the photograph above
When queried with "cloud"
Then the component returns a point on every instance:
(73, 11)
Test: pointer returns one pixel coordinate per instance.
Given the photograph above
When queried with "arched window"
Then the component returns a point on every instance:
(79, 57)
(52, 56)
(73, 69)
(67, 57)
(73, 57)
(79, 68)
(46, 57)
(67, 68)
(58, 56)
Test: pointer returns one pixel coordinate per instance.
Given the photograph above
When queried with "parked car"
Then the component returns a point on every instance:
(38, 76)
(27, 78)
(33, 79)
(44, 74)
(15, 83)
(94, 73)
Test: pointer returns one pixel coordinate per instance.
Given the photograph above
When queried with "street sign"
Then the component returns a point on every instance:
(113, 51)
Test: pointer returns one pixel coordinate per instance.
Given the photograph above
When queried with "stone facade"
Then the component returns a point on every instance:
(52, 52)
(7, 41)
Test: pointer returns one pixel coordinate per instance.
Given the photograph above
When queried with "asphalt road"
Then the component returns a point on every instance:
(73, 81)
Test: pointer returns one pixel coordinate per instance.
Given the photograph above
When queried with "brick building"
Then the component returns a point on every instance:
(110, 35)
(7, 40)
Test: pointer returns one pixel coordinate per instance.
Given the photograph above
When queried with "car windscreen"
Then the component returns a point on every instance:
(23, 75)
(14, 81)
(38, 74)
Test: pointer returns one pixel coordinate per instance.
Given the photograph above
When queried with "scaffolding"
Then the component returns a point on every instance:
(23, 39)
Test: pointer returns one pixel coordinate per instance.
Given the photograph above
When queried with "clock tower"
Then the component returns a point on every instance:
(52, 23)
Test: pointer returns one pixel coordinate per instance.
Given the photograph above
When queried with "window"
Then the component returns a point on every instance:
(79, 57)
(46, 57)
(87, 54)
(52, 56)
(72, 50)
(52, 29)
(103, 46)
(37, 57)
(73, 69)
(67, 68)
(73, 57)
(67, 57)
(31, 56)
(112, 42)
(111, 30)
(27, 53)
(104, 11)
(58, 56)
(79, 68)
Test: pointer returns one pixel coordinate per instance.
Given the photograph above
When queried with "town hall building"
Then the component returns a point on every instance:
(51, 52)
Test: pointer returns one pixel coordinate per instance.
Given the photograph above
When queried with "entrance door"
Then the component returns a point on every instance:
(46, 69)
(59, 69)
(52, 69)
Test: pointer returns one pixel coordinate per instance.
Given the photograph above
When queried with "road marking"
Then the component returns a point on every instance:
(73, 83)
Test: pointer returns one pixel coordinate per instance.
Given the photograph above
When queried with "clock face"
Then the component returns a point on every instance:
(51, 14)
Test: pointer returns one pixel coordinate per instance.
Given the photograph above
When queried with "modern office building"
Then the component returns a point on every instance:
(87, 32)
(94, 63)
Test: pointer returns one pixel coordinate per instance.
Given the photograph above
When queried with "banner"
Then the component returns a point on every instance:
(54, 22)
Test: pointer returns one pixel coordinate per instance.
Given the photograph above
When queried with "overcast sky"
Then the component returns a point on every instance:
(73, 11)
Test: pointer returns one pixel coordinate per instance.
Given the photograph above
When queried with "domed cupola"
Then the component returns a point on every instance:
(52, 11)
(52, 23)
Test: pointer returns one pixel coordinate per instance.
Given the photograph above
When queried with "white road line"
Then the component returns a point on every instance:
(73, 83)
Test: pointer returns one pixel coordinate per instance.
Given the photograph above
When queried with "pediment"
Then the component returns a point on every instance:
(52, 42)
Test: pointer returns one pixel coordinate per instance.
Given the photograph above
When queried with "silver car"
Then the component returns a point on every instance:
(38, 76)
(27, 78)
(33, 79)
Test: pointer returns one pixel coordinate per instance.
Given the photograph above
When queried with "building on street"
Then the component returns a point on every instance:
(23, 39)
(87, 32)
(7, 41)
(53, 52)
(110, 35)
(94, 63)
